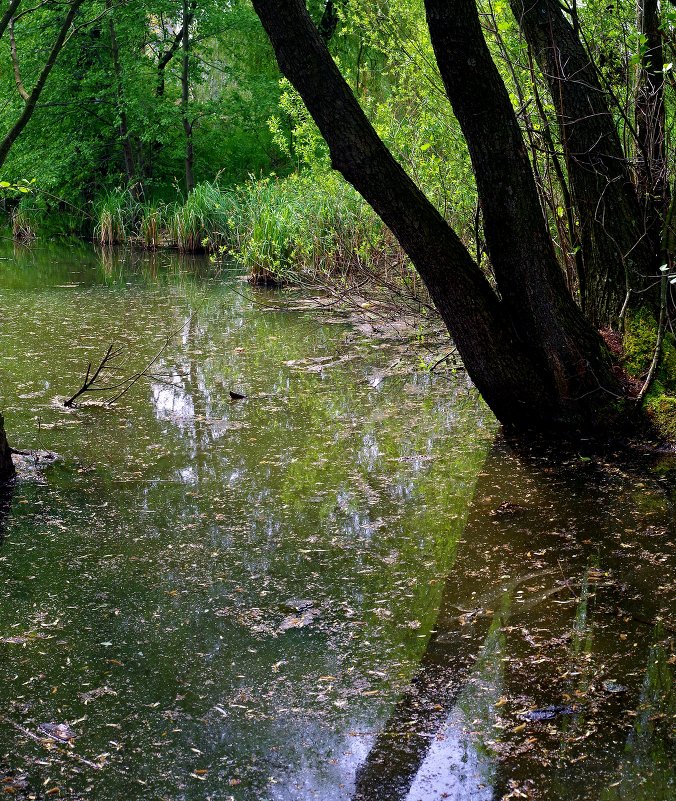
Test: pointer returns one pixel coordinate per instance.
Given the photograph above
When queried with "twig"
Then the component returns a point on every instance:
(432, 367)
(661, 326)
(87, 385)
(122, 384)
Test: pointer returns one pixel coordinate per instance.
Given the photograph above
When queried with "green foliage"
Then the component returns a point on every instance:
(201, 223)
(116, 214)
(314, 224)
(639, 348)
(278, 229)
(300, 140)
(74, 144)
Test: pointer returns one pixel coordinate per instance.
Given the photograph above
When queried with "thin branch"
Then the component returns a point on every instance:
(88, 382)
(661, 328)
(48, 743)
(15, 63)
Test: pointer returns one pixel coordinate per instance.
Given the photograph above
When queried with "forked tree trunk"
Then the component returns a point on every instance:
(6, 464)
(530, 280)
(616, 252)
(527, 384)
(171, 51)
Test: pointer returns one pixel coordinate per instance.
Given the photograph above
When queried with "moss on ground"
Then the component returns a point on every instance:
(639, 347)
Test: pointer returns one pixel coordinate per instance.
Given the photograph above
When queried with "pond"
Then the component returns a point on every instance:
(345, 586)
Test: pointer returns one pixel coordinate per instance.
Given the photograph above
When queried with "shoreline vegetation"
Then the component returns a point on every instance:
(281, 230)
(298, 230)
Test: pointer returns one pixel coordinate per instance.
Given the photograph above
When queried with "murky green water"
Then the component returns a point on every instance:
(338, 588)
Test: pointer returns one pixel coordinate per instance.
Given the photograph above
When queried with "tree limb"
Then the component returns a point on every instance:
(15, 63)
(8, 15)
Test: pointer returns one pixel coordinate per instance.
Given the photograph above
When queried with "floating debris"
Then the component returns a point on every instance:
(614, 687)
(547, 713)
(57, 731)
(299, 621)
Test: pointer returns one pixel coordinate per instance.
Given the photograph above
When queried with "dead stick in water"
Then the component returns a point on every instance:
(51, 747)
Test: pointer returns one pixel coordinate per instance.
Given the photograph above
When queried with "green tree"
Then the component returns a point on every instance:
(536, 360)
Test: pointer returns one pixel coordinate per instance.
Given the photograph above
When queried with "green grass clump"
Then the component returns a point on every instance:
(201, 223)
(639, 347)
(24, 224)
(306, 226)
(117, 214)
(153, 225)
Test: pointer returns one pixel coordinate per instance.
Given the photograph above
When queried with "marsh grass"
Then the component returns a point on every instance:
(117, 215)
(152, 225)
(281, 230)
(305, 227)
(24, 224)
(201, 222)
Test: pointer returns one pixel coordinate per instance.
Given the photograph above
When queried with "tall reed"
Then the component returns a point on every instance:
(117, 215)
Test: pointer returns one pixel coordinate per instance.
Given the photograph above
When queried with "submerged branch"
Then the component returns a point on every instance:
(121, 385)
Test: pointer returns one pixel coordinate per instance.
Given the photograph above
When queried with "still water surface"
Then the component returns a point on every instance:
(342, 587)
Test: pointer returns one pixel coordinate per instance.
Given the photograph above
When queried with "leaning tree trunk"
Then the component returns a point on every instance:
(523, 388)
(6, 464)
(33, 97)
(8, 15)
(529, 278)
(616, 251)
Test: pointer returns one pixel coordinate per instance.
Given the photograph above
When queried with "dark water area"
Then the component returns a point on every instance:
(345, 586)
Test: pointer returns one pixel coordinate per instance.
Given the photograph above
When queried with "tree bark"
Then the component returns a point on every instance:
(651, 159)
(615, 248)
(8, 15)
(521, 389)
(528, 275)
(127, 148)
(329, 21)
(171, 51)
(21, 89)
(6, 464)
(31, 103)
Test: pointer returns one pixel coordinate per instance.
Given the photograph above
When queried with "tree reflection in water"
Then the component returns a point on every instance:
(554, 600)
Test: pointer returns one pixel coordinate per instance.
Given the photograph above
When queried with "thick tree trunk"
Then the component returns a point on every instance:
(34, 96)
(6, 464)
(651, 159)
(615, 248)
(519, 385)
(529, 278)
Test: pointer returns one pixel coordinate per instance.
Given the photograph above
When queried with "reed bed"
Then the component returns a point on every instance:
(281, 230)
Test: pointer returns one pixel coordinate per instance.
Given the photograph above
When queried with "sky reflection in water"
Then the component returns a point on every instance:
(450, 587)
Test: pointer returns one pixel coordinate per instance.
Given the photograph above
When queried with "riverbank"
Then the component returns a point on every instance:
(281, 230)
